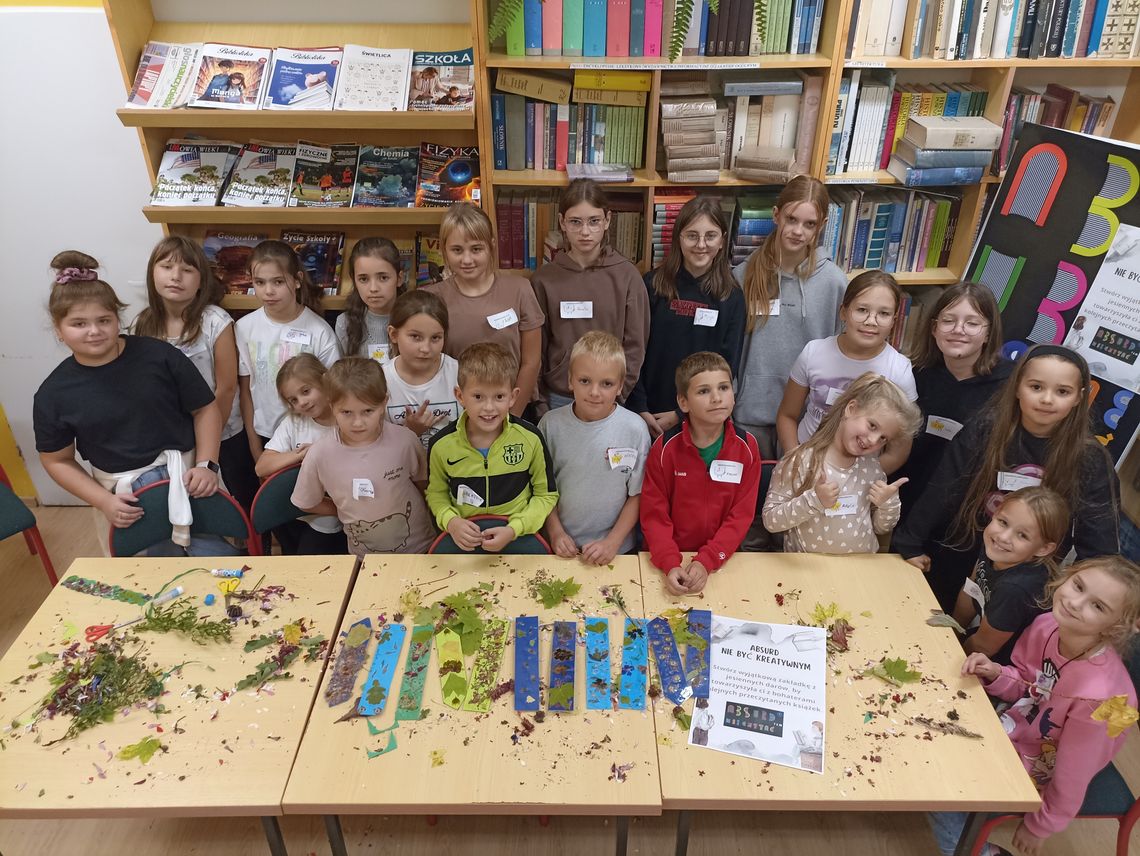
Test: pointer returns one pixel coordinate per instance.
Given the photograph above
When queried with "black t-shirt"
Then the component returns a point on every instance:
(1010, 599)
(121, 415)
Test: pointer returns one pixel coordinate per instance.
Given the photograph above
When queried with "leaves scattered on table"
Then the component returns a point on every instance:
(274, 667)
(181, 616)
(143, 750)
(553, 592)
(946, 727)
(938, 618)
(619, 772)
(678, 619)
(614, 597)
(893, 670)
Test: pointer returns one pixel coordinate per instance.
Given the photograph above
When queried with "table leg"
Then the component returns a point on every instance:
(974, 823)
(684, 819)
(273, 836)
(335, 834)
(622, 835)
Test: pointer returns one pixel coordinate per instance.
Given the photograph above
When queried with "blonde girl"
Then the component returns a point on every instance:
(286, 324)
(588, 286)
(485, 304)
(830, 493)
(362, 329)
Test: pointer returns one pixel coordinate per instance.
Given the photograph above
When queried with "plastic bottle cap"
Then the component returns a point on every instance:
(209, 600)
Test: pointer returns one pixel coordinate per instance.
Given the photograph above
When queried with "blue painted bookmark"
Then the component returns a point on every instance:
(673, 683)
(526, 662)
(634, 665)
(598, 664)
(374, 693)
(697, 657)
(560, 694)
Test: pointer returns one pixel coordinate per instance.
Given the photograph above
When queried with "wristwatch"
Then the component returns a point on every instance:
(212, 466)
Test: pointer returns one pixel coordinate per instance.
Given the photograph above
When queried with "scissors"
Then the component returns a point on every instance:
(97, 631)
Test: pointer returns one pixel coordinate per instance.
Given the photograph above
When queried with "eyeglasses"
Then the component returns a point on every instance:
(861, 315)
(591, 225)
(972, 326)
(694, 238)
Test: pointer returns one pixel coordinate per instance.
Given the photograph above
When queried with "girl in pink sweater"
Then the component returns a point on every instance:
(1071, 697)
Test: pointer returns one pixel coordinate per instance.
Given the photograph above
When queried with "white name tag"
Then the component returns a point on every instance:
(466, 496)
(362, 489)
(576, 308)
(300, 337)
(845, 506)
(774, 307)
(380, 353)
(726, 471)
(503, 319)
(705, 317)
(622, 458)
(833, 395)
(975, 592)
(1016, 481)
(942, 427)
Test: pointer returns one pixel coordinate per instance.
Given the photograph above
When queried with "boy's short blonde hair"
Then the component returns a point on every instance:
(488, 363)
(602, 346)
(360, 377)
(695, 364)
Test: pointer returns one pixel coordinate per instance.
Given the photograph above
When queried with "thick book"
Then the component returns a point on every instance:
(571, 27)
(617, 28)
(228, 254)
(632, 81)
(373, 79)
(953, 132)
(532, 26)
(552, 27)
(447, 174)
(262, 176)
(442, 81)
(303, 78)
(386, 177)
(603, 173)
(323, 176)
(192, 172)
(320, 256)
(232, 77)
(594, 28)
(652, 39)
(753, 83)
(911, 155)
(535, 86)
(499, 129)
(916, 177)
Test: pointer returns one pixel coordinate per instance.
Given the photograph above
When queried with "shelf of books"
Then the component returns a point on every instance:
(650, 63)
(301, 216)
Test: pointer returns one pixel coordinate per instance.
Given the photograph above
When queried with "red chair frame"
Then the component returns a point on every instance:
(33, 538)
(478, 517)
(1123, 834)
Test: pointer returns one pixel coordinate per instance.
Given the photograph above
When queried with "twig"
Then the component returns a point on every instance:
(946, 727)
(440, 580)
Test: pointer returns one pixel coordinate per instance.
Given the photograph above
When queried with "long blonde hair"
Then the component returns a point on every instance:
(1120, 569)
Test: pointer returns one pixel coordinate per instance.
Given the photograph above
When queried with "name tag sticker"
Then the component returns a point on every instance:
(705, 317)
(975, 592)
(466, 496)
(774, 307)
(362, 489)
(576, 308)
(1016, 481)
(380, 353)
(845, 506)
(942, 427)
(728, 472)
(503, 319)
(300, 337)
(622, 458)
(833, 394)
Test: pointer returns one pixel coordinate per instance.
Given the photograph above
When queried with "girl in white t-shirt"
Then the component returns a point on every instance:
(287, 324)
(421, 378)
(826, 367)
(310, 417)
(182, 309)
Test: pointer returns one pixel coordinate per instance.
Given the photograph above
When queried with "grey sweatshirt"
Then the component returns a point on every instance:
(809, 309)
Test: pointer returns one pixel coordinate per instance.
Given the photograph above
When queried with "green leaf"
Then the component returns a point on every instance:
(504, 15)
(554, 592)
(894, 670)
(683, 719)
(560, 696)
(428, 614)
(143, 750)
(357, 635)
(43, 658)
(682, 15)
(376, 694)
(941, 619)
(260, 642)
(598, 626)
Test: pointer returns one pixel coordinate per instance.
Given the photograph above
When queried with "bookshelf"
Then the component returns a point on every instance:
(133, 23)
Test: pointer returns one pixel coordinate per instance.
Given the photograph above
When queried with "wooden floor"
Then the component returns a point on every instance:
(69, 533)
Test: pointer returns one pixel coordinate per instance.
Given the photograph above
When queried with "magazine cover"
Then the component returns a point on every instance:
(447, 174)
(228, 254)
(232, 77)
(386, 177)
(302, 79)
(430, 265)
(320, 256)
(442, 80)
(262, 176)
(192, 172)
(323, 176)
(373, 79)
(144, 88)
(175, 83)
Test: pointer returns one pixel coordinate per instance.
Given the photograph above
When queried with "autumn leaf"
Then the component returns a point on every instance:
(143, 750)
(938, 618)
(291, 633)
(1116, 714)
(560, 697)
(683, 719)
(893, 670)
(376, 694)
(824, 616)
(554, 592)
(260, 642)
(437, 757)
(357, 635)
(837, 641)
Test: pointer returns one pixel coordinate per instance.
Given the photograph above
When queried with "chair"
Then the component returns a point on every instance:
(1108, 796)
(219, 514)
(17, 517)
(273, 505)
(530, 545)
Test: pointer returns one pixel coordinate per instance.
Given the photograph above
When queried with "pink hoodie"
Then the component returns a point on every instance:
(1050, 721)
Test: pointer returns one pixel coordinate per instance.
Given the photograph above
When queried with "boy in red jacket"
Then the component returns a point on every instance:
(701, 479)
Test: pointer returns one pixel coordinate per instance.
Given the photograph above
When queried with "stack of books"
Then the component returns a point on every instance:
(688, 130)
(666, 205)
(754, 223)
(1059, 107)
(528, 227)
(944, 150)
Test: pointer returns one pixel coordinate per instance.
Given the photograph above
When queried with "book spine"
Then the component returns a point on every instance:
(942, 13)
(1042, 28)
(895, 236)
(530, 120)
(877, 238)
(515, 108)
(552, 27)
(499, 129)
(943, 158)
(934, 176)
(571, 27)
(617, 28)
(532, 26)
(892, 128)
(1097, 27)
(654, 22)
(1088, 12)
(594, 28)
(895, 25)
(1073, 28)
(837, 127)
(516, 36)
(704, 16)
(862, 234)
(808, 119)
(503, 227)
(964, 21)
(636, 27)
(712, 20)
(552, 137)
(1057, 22)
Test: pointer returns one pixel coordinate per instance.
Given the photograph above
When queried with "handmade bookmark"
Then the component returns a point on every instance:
(415, 674)
(526, 662)
(673, 683)
(634, 665)
(353, 651)
(98, 589)
(374, 693)
(452, 671)
(560, 695)
(485, 669)
(598, 664)
(697, 656)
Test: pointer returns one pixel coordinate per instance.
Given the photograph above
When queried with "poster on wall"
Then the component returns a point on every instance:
(767, 688)
(1060, 250)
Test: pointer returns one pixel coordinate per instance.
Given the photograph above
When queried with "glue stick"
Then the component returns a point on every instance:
(228, 572)
(168, 595)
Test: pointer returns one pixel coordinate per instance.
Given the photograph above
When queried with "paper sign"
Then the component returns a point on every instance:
(577, 308)
(942, 427)
(844, 506)
(362, 489)
(705, 317)
(299, 337)
(503, 319)
(726, 471)
(1016, 481)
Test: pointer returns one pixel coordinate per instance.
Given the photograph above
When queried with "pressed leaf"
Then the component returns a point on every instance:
(553, 592)
(143, 750)
(357, 635)
(894, 670)
(560, 696)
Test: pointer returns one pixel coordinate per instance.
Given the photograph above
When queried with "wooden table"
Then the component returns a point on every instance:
(563, 767)
(225, 752)
(886, 764)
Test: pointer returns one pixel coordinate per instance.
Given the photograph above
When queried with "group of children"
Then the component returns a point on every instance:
(659, 398)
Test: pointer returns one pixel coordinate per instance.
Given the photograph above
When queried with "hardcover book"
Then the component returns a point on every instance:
(320, 256)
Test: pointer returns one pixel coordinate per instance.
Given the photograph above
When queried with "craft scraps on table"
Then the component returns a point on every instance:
(182, 617)
(598, 664)
(143, 750)
(273, 668)
(98, 589)
(634, 665)
(893, 670)
(485, 669)
(374, 692)
(411, 700)
(563, 647)
(350, 660)
(552, 592)
(526, 663)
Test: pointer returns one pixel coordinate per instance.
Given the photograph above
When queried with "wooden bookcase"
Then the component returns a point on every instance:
(133, 23)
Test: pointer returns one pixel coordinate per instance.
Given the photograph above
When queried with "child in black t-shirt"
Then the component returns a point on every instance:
(1003, 594)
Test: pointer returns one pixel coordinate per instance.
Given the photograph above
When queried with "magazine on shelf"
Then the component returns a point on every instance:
(373, 79)
(386, 177)
(165, 76)
(262, 176)
(192, 172)
(145, 89)
(323, 176)
(303, 78)
(447, 174)
(228, 254)
(320, 256)
(442, 80)
(231, 77)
